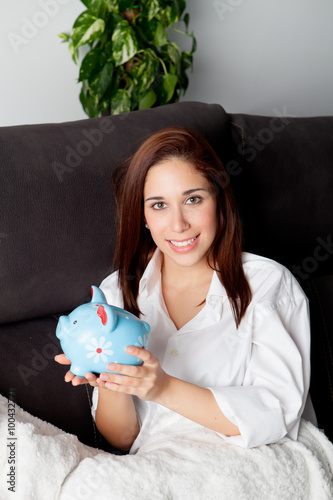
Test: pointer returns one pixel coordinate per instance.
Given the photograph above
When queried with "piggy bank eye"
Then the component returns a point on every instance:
(74, 322)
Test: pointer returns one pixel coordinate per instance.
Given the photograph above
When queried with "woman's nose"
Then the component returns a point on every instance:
(179, 221)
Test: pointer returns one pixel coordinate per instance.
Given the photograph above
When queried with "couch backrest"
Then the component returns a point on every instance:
(283, 176)
(57, 222)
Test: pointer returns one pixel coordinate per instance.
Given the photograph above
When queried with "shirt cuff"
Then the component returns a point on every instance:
(94, 402)
(256, 412)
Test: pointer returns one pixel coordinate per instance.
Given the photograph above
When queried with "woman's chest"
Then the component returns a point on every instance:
(182, 306)
(206, 352)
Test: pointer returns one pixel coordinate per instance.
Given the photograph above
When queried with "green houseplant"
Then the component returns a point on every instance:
(130, 63)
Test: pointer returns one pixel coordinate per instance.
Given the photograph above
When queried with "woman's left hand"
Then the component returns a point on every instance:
(147, 381)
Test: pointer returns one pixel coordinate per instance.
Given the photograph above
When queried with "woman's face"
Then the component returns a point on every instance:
(180, 210)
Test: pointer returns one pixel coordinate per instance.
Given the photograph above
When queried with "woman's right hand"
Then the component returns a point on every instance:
(89, 377)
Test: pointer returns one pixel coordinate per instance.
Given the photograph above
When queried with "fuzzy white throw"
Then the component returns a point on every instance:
(48, 464)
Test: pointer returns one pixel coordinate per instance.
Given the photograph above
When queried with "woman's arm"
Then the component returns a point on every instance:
(116, 417)
(149, 382)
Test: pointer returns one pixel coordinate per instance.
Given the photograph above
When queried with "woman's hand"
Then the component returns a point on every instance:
(89, 378)
(147, 381)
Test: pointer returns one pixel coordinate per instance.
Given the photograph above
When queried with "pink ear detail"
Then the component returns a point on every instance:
(102, 314)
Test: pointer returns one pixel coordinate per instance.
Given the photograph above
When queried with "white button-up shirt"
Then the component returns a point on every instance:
(259, 373)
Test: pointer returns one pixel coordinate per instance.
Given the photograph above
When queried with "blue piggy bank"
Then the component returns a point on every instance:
(95, 334)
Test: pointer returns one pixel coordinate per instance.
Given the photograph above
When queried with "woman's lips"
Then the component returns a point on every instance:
(183, 245)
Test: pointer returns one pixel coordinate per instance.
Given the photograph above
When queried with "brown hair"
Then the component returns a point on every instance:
(135, 244)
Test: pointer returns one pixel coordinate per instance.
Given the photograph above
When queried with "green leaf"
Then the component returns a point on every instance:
(170, 16)
(187, 60)
(169, 83)
(121, 102)
(86, 3)
(160, 36)
(64, 37)
(92, 63)
(145, 72)
(148, 100)
(73, 52)
(179, 6)
(125, 44)
(102, 81)
(152, 6)
(86, 29)
(174, 53)
(89, 104)
(186, 20)
(126, 4)
(98, 5)
(146, 29)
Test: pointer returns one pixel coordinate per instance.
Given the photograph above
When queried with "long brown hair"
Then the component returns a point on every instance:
(134, 243)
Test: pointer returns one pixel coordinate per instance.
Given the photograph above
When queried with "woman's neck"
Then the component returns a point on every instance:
(185, 277)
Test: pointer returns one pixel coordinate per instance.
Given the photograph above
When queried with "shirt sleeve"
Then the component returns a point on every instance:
(268, 406)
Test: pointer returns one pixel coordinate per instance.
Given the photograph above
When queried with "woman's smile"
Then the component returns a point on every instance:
(184, 245)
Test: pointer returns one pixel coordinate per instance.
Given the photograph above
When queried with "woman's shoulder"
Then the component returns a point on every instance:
(111, 289)
(269, 278)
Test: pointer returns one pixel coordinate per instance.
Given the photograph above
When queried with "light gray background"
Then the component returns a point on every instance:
(253, 56)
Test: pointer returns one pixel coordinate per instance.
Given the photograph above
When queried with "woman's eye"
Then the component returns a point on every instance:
(159, 205)
(193, 200)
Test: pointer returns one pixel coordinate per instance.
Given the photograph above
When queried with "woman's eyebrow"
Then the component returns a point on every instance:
(185, 193)
(191, 191)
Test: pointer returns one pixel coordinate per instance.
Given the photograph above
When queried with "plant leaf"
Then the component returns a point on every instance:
(64, 37)
(145, 73)
(102, 81)
(92, 64)
(125, 4)
(186, 20)
(148, 100)
(73, 52)
(97, 5)
(174, 54)
(89, 104)
(160, 36)
(152, 6)
(125, 44)
(86, 29)
(146, 29)
(169, 83)
(121, 102)
(86, 3)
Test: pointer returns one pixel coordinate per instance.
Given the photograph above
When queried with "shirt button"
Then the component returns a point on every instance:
(174, 353)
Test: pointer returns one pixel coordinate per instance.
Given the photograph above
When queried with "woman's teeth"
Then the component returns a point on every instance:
(183, 243)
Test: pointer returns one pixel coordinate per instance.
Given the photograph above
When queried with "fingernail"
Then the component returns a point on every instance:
(104, 376)
(110, 367)
(129, 348)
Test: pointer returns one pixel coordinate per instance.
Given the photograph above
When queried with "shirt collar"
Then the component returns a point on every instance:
(152, 274)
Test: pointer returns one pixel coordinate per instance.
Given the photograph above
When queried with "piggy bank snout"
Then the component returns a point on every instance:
(62, 327)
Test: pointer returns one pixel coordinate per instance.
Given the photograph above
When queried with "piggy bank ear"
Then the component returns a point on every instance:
(97, 295)
(107, 316)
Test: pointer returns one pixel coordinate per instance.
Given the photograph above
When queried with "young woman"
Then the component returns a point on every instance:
(229, 342)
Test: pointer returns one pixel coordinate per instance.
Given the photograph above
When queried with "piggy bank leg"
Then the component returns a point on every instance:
(76, 370)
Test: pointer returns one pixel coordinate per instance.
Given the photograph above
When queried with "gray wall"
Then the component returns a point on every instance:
(253, 56)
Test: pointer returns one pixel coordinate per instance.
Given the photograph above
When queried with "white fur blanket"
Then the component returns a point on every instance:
(49, 464)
